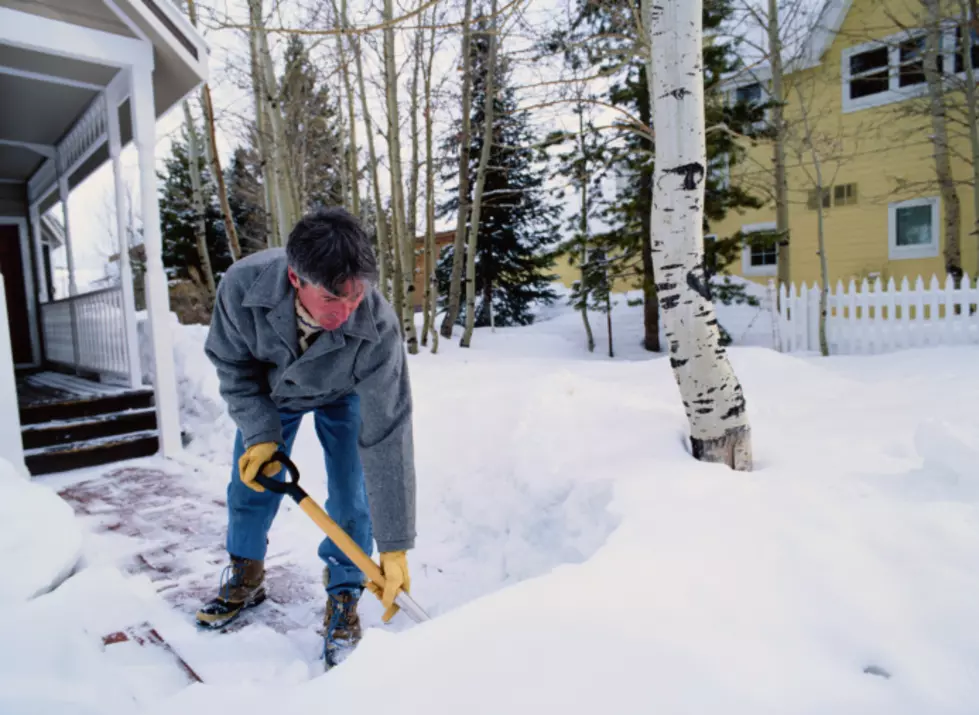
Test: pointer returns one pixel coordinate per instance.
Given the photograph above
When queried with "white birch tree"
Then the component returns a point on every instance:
(710, 391)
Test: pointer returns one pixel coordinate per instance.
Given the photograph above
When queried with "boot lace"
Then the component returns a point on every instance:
(232, 575)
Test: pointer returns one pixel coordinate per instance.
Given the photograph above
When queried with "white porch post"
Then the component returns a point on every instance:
(10, 434)
(157, 296)
(63, 195)
(125, 268)
(42, 275)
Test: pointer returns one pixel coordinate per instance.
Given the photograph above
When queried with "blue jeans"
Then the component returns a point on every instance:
(250, 513)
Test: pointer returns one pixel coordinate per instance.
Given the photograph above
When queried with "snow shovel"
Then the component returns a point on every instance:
(333, 530)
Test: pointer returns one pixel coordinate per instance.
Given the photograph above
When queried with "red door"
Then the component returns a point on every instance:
(13, 279)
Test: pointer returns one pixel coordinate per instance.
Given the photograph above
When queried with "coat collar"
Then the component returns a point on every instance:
(272, 290)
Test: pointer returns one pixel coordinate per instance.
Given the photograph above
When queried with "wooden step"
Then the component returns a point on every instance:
(92, 452)
(58, 432)
(77, 407)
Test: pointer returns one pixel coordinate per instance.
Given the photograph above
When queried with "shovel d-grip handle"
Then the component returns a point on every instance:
(315, 512)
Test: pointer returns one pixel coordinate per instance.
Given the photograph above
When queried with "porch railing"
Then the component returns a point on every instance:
(87, 332)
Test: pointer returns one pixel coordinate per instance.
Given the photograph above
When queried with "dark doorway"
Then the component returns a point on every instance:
(12, 268)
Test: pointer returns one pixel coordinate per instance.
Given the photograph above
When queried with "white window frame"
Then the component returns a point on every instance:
(755, 271)
(731, 96)
(894, 93)
(931, 250)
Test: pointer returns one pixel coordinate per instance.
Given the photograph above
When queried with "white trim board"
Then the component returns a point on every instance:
(26, 263)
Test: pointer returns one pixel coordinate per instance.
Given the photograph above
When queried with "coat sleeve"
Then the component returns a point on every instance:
(242, 378)
(386, 440)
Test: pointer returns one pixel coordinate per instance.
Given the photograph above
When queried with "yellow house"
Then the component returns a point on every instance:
(859, 92)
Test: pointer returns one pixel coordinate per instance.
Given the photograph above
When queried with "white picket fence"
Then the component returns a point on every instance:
(876, 318)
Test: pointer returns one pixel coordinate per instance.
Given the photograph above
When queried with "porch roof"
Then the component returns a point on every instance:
(46, 92)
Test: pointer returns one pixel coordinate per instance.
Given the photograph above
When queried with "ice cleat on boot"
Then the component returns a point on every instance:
(341, 626)
(242, 586)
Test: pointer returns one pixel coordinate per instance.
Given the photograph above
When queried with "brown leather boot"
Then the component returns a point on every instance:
(341, 624)
(242, 586)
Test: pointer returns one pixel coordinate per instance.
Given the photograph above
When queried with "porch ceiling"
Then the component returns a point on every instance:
(39, 112)
(86, 13)
(18, 164)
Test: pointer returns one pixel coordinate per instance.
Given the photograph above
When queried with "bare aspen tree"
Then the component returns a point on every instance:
(430, 279)
(711, 393)
(583, 227)
(353, 152)
(462, 218)
(817, 163)
(489, 117)
(778, 143)
(344, 168)
(969, 23)
(197, 200)
(374, 169)
(939, 125)
(276, 219)
(403, 243)
(214, 159)
(415, 173)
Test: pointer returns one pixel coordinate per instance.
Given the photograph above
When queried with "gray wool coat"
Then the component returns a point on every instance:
(254, 346)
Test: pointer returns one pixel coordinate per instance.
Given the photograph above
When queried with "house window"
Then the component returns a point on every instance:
(913, 228)
(911, 66)
(869, 72)
(812, 203)
(759, 260)
(749, 94)
(844, 194)
(960, 55)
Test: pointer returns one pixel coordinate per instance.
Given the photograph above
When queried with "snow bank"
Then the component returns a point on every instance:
(53, 660)
(578, 560)
(40, 540)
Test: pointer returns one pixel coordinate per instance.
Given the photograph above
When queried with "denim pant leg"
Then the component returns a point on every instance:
(338, 429)
(250, 513)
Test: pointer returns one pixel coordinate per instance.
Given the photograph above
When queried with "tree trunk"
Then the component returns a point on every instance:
(353, 155)
(197, 201)
(379, 217)
(650, 307)
(710, 390)
(287, 199)
(778, 145)
(583, 180)
(459, 245)
(939, 126)
(210, 145)
(608, 322)
(431, 282)
(489, 117)
(404, 244)
(413, 177)
(269, 193)
(971, 8)
(344, 166)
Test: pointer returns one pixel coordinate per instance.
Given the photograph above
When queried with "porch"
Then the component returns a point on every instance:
(81, 80)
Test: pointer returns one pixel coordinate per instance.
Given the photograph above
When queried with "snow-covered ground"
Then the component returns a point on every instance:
(576, 559)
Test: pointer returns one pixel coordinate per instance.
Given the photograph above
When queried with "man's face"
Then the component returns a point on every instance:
(329, 310)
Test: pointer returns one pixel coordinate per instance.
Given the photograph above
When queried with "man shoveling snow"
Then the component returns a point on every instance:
(299, 330)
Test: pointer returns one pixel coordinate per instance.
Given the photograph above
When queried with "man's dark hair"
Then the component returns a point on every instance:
(328, 246)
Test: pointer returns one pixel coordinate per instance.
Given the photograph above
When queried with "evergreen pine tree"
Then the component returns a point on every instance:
(246, 199)
(518, 226)
(178, 218)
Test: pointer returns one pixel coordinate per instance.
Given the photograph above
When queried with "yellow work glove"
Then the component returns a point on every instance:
(253, 458)
(394, 566)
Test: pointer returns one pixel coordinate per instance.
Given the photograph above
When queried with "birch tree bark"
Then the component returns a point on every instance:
(462, 218)
(431, 281)
(214, 159)
(489, 117)
(939, 126)
(778, 144)
(414, 176)
(271, 204)
(583, 181)
(380, 219)
(404, 244)
(197, 201)
(711, 393)
(969, 23)
(353, 153)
